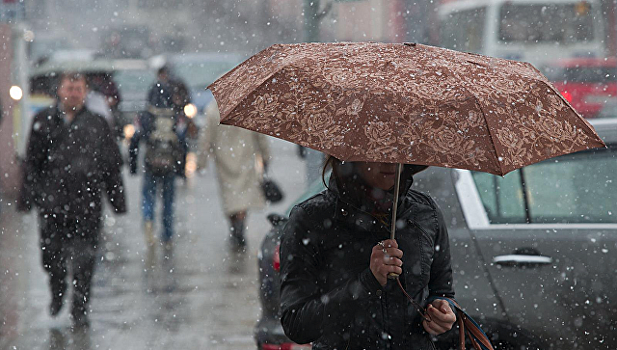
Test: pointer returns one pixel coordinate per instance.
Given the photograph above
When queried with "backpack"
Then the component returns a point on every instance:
(163, 153)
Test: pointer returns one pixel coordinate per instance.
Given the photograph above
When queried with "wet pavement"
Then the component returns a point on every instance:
(201, 297)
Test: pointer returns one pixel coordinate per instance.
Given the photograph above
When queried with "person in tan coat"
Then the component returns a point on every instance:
(240, 156)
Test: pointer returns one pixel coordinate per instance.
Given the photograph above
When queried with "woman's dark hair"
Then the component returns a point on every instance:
(326, 165)
(336, 165)
(337, 169)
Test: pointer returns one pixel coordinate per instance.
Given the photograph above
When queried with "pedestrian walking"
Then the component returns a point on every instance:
(238, 154)
(186, 128)
(158, 128)
(105, 86)
(71, 159)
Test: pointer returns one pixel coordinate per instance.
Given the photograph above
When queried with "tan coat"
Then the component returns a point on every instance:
(234, 151)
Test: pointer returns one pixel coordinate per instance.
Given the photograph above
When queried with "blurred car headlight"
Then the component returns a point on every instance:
(16, 93)
(29, 35)
(191, 164)
(129, 131)
(190, 110)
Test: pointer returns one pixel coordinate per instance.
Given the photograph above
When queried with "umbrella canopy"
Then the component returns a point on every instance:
(403, 103)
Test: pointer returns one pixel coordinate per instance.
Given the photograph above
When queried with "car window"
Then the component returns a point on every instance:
(201, 74)
(134, 81)
(464, 30)
(581, 74)
(544, 22)
(502, 197)
(578, 188)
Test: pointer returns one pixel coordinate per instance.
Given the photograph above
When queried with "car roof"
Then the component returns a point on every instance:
(606, 129)
(461, 5)
(204, 56)
(175, 58)
(88, 66)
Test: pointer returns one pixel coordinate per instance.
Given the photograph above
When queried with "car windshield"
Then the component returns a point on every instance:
(134, 81)
(198, 75)
(568, 189)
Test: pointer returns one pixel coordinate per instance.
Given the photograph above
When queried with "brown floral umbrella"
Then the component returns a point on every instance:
(403, 103)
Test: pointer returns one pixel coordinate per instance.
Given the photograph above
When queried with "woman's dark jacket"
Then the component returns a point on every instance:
(69, 165)
(330, 297)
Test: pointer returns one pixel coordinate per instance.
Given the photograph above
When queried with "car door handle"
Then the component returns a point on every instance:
(522, 260)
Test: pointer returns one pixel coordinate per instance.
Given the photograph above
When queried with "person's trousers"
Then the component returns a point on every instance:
(70, 245)
(150, 185)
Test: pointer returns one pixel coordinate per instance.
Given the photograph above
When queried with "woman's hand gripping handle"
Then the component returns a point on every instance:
(386, 260)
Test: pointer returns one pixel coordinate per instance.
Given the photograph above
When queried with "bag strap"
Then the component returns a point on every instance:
(469, 326)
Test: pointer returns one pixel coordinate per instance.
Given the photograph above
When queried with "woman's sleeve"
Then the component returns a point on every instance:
(307, 310)
(263, 143)
(440, 283)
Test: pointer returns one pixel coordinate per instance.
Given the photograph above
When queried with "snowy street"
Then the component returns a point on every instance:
(204, 297)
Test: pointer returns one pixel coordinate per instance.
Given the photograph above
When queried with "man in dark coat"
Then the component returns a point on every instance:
(71, 159)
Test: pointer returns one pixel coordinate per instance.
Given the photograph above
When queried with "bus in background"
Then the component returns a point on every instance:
(534, 31)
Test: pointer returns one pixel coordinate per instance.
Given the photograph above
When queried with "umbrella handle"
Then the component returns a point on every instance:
(397, 186)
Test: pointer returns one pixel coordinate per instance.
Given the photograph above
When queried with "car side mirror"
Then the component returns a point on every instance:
(276, 219)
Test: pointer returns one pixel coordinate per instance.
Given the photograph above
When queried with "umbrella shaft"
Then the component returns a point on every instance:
(397, 186)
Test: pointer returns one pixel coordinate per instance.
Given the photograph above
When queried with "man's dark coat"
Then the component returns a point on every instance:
(69, 165)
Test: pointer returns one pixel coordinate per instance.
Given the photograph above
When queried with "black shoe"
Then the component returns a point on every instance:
(236, 236)
(168, 250)
(237, 244)
(56, 304)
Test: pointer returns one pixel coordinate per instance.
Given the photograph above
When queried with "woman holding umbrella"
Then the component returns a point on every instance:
(376, 106)
(336, 257)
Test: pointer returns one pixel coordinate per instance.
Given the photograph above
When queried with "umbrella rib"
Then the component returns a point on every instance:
(589, 128)
(260, 85)
(245, 96)
(214, 92)
(490, 132)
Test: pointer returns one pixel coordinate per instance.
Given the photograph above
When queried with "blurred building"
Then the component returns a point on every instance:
(383, 20)
(13, 102)
(358, 20)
